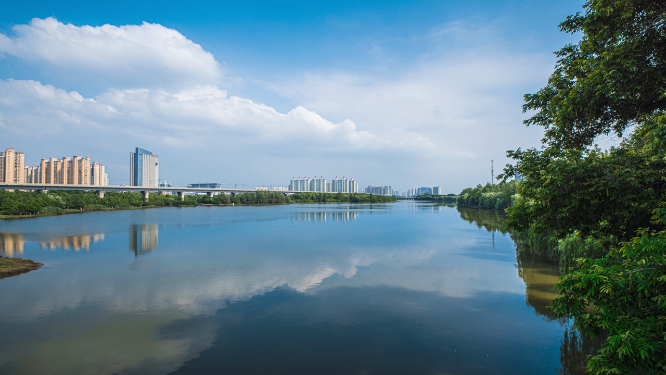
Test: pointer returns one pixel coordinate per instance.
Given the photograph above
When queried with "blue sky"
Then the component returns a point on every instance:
(408, 94)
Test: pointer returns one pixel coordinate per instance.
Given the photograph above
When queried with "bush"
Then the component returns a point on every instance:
(51, 210)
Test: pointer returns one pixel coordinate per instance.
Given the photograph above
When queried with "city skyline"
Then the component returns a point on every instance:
(430, 97)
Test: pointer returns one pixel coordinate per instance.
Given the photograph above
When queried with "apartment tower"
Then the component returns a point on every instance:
(144, 168)
(12, 164)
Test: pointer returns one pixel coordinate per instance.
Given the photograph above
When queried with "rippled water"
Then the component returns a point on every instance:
(404, 288)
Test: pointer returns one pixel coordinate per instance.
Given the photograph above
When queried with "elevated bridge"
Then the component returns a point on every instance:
(144, 190)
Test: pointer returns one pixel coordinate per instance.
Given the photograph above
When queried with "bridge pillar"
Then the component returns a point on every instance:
(210, 194)
(145, 194)
(100, 193)
(181, 195)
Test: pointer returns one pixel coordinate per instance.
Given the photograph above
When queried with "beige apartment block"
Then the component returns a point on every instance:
(12, 164)
(76, 170)
(98, 175)
(31, 175)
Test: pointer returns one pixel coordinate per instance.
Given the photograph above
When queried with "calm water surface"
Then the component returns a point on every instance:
(404, 288)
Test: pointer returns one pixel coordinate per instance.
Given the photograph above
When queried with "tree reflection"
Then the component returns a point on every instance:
(490, 220)
(540, 276)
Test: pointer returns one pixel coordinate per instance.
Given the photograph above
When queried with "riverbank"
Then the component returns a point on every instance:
(20, 205)
(16, 266)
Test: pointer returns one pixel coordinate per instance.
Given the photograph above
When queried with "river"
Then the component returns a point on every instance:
(400, 288)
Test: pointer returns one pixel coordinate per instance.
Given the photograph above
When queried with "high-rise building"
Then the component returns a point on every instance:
(12, 165)
(423, 190)
(343, 185)
(144, 168)
(99, 176)
(76, 170)
(380, 190)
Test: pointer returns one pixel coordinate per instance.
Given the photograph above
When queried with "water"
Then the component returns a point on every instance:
(404, 288)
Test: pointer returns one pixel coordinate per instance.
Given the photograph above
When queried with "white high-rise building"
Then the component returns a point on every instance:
(344, 185)
(320, 185)
(144, 168)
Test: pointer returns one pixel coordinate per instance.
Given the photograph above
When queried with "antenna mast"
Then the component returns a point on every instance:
(492, 173)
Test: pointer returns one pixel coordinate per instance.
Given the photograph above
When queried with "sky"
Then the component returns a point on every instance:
(254, 93)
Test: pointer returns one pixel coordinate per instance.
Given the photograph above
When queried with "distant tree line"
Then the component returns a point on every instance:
(449, 198)
(58, 202)
(496, 197)
(340, 198)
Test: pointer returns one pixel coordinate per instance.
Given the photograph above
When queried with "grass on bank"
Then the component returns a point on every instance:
(20, 204)
(16, 266)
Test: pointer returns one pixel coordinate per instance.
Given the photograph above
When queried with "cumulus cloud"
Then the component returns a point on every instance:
(147, 55)
(204, 118)
(189, 116)
(468, 103)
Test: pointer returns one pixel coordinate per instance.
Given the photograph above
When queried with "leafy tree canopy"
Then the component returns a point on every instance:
(612, 82)
(613, 78)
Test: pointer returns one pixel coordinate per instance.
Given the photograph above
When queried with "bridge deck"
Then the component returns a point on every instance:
(6, 186)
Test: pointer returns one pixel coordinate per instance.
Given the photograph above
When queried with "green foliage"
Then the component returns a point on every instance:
(450, 198)
(496, 197)
(57, 202)
(18, 202)
(601, 194)
(608, 81)
(341, 197)
(51, 210)
(578, 200)
(622, 294)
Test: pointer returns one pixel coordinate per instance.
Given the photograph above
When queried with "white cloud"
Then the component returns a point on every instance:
(126, 56)
(203, 118)
(445, 113)
(466, 102)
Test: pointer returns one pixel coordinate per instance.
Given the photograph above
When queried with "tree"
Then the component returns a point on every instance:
(622, 295)
(612, 82)
(613, 78)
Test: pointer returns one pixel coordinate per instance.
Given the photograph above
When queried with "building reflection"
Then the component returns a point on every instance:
(314, 217)
(72, 242)
(11, 244)
(143, 238)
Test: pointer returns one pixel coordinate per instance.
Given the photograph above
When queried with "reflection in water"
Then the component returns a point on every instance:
(313, 217)
(143, 238)
(574, 349)
(11, 244)
(490, 220)
(72, 242)
(413, 290)
(540, 277)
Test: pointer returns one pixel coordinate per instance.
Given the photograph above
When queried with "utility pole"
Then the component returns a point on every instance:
(492, 173)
